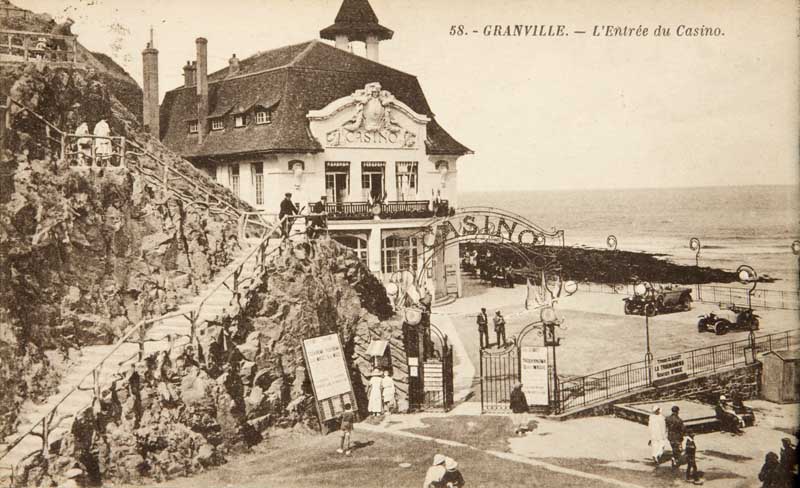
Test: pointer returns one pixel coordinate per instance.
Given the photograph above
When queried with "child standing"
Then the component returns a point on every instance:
(691, 465)
(348, 417)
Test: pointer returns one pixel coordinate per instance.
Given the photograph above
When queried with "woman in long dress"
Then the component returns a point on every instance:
(375, 398)
(387, 385)
(658, 434)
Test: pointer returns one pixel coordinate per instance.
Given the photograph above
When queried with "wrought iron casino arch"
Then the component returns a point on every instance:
(508, 231)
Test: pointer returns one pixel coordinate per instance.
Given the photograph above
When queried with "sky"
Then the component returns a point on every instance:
(540, 113)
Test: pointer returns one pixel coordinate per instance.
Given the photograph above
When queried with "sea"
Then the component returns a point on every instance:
(736, 225)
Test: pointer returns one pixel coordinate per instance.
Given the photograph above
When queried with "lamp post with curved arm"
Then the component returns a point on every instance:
(747, 275)
(694, 245)
(645, 290)
(549, 320)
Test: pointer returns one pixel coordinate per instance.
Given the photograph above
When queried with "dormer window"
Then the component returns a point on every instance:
(217, 124)
(193, 127)
(239, 120)
(263, 117)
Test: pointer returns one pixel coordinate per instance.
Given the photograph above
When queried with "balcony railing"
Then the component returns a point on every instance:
(413, 209)
(24, 46)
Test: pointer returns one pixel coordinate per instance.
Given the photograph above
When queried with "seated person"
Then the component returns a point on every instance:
(743, 411)
(728, 420)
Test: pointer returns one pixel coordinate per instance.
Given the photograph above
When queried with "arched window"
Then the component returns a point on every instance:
(399, 253)
(357, 244)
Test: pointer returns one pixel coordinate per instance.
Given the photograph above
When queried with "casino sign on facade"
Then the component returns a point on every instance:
(316, 120)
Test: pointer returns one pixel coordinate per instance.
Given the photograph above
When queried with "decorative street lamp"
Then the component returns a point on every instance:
(645, 290)
(748, 275)
(694, 245)
(796, 250)
(611, 242)
(548, 320)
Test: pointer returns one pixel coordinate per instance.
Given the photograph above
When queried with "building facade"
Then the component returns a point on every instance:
(322, 123)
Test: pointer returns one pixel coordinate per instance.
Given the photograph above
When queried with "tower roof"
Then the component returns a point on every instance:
(356, 20)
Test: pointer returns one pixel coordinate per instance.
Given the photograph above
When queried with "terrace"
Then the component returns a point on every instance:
(409, 209)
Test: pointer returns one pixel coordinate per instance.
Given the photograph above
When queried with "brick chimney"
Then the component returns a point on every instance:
(202, 88)
(150, 115)
(189, 73)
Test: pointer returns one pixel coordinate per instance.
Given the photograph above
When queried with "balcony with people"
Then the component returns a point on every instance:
(400, 199)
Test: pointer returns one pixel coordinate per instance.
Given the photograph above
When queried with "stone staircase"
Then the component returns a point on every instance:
(76, 388)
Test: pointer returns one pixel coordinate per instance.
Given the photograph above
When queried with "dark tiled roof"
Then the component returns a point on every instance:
(315, 76)
(356, 19)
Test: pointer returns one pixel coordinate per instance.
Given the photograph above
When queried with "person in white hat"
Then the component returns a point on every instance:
(433, 478)
(375, 397)
(73, 476)
(658, 434)
(452, 476)
(729, 421)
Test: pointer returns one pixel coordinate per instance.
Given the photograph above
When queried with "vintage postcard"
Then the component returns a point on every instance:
(375, 243)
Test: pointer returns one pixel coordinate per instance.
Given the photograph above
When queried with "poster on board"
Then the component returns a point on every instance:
(327, 368)
(534, 374)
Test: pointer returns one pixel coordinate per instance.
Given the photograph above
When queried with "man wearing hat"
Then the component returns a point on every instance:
(500, 328)
(287, 209)
(483, 328)
(728, 420)
(675, 433)
(433, 478)
(73, 478)
(452, 476)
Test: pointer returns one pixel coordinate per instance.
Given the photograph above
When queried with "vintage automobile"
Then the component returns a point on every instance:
(663, 298)
(732, 317)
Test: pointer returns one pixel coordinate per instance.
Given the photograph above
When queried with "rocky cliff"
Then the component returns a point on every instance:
(86, 253)
(174, 414)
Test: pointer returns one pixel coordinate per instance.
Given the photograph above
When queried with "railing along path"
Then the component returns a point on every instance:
(232, 281)
(606, 384)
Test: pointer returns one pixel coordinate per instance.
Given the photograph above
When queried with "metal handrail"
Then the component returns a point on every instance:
(137, 327)
(564, 385)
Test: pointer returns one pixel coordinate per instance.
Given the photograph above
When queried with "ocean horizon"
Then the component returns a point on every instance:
(753, 225)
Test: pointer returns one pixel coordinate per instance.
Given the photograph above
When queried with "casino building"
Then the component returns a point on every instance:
(316, 120)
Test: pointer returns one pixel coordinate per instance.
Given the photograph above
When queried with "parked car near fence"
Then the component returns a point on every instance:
(731, 317)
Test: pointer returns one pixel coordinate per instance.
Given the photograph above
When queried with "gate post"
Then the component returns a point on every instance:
(480, 360)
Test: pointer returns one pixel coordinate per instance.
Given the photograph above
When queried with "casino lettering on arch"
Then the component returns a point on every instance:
(487, 227)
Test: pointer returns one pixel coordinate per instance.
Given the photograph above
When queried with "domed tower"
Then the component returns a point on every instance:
(356, 21)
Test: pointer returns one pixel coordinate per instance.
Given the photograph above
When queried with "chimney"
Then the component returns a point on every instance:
(372, 47)
(150, 115)
(342, 42)
(233, 65)
(202, 87)
(189, 72)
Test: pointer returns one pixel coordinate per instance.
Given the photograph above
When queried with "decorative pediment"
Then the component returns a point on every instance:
(368, 118)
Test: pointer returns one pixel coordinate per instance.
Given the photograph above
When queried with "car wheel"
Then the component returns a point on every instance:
(720, 327)
(686, 302)
(701, 325)
(755, 324)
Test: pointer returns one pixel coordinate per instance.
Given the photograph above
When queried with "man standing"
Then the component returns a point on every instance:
(500, 329)
(483, 328)
(788, 460)
(675, 432)
(287, 209)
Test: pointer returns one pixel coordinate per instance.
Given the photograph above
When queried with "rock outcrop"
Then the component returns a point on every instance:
(84, 254)
(176, 413)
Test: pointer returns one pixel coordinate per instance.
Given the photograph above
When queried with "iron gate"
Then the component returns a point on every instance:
(499, 373)
(432, 387)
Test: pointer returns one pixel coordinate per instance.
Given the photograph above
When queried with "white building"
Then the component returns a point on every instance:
(316, 120)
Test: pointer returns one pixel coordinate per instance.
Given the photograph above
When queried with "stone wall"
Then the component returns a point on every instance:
(745, 381)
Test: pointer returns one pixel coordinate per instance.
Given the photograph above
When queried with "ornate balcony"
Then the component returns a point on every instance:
(413, 209)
